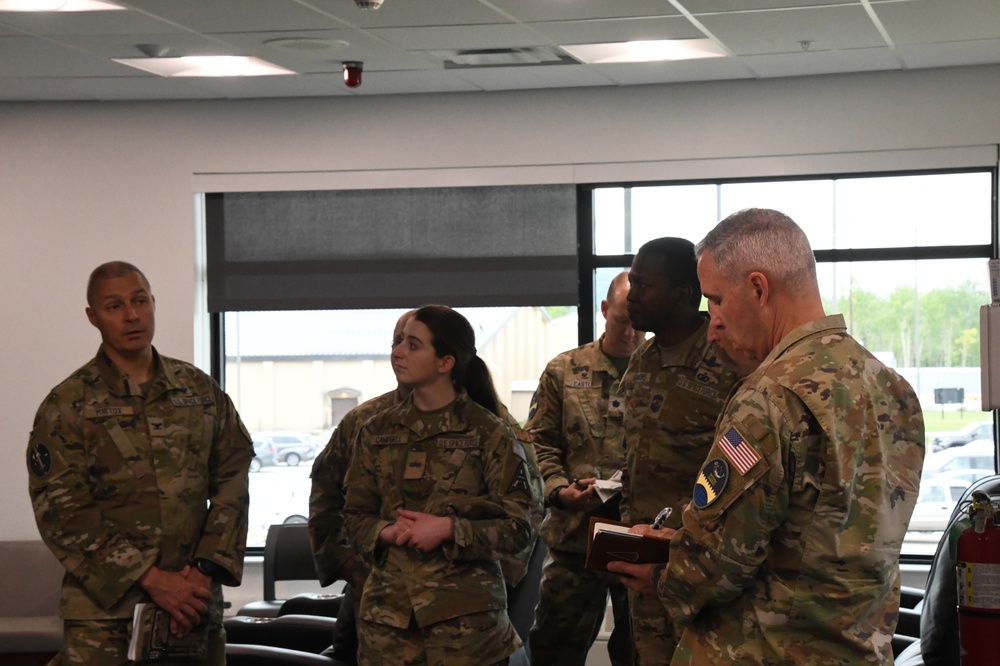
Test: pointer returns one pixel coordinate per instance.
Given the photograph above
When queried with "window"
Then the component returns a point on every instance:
(903, 257)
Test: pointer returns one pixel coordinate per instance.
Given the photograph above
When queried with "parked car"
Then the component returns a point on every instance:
(977, 454)
(935, 503)
(290, 447)
(264, 454)
(968, 433)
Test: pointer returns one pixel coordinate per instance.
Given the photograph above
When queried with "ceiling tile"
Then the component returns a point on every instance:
(711, 69)
(780, 31)
(951, 54)
(515, 78)
(822, 62)
(569, 10)
(458, 37)
(616, 30)
(934, 21)
(235, 15)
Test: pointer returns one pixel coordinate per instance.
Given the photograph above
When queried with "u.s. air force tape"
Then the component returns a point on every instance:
(711, 481)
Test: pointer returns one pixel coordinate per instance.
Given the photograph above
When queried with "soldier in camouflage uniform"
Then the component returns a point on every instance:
(439, 488)
(673, 391)
(138, 477)
(578, 442)
(335, 558)
(789, 552)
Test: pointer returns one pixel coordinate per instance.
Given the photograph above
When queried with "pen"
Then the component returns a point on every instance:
(662, 516)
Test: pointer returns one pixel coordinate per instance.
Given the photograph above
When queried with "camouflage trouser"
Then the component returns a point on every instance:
(105, 643)
(479, 639)
(571, 607)
(652, 631)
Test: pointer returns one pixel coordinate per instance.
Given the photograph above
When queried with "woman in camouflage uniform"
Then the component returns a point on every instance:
(438, 491)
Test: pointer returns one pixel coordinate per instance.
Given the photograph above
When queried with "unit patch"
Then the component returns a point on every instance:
(520, 480)
(711, 482)
(534, 405)
(656, 403)
(41, 460)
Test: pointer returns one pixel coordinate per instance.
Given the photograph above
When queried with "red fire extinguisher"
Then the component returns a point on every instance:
(978, 571)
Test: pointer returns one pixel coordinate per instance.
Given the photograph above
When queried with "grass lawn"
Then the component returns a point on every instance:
(952, 419)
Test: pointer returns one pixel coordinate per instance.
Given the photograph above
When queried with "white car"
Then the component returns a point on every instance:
(978, 454)
(935, 503)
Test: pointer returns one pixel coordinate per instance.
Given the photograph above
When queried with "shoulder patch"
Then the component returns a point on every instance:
(711, 482)
(739, 451)
(520, 481)
(534, 405)
(41, 460)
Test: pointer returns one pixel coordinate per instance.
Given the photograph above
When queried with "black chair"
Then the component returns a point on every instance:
(938, 635)
(287, 556)
(305, 633)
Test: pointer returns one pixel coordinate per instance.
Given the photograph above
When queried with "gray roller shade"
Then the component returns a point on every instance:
(348, 249)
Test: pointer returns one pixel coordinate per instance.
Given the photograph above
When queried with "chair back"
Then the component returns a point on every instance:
(287, 556)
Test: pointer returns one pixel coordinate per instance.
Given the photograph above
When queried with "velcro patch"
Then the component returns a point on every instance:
(190, 401)
(41, 460)
(739, 451)
(104, 412)
(458, 442)
(520, 480)
(389, 439)
(711, 482)
(695, 387)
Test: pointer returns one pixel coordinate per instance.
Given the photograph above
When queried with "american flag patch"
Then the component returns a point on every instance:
(738, 450)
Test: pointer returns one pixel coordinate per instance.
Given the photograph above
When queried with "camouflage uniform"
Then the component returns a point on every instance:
(331, 548)
(672, 398)
(576, 438)
(789, 552)
(123, 478)
(446, 606)
(334, 556)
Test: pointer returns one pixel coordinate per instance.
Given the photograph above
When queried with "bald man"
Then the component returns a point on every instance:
(576, 428)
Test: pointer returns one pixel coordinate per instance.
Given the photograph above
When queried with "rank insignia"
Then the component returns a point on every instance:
(41, 460)
(711, 482)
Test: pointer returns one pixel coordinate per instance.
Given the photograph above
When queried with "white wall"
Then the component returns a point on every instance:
(85, 183)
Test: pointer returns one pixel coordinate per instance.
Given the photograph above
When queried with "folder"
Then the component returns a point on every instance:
(610, 541)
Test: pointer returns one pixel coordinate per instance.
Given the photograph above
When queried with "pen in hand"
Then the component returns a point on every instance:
(662, 516)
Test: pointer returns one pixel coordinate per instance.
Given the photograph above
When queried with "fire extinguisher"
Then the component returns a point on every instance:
(978, 572)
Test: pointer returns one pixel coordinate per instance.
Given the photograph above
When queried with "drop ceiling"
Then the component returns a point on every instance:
(423, 46)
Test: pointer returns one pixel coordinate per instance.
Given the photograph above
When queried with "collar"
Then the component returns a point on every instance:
(164, 376)
(828, 325)
(689, 352)
(453, 418)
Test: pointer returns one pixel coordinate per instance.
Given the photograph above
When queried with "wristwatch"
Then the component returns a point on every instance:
(208, 567)
(554, 498)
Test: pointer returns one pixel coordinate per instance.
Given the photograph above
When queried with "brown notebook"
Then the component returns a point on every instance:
(610, 541)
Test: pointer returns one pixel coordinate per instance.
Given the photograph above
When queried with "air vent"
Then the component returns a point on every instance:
(518, 57)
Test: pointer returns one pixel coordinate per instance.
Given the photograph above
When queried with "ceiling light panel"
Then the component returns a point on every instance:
(644, 51)
(57, 6)
(205, 66)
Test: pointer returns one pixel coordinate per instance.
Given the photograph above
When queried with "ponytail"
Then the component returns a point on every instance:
(479, 385)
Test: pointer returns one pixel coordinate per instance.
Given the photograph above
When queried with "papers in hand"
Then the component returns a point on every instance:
(608, 488)
(610, 541)
(151, 638)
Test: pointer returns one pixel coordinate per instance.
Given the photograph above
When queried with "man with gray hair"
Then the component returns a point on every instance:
(789, 550)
